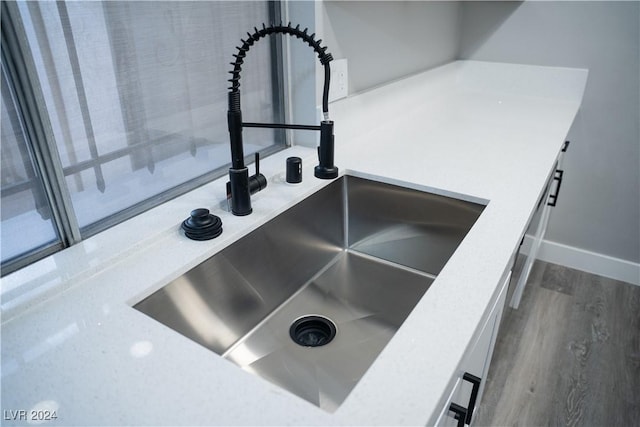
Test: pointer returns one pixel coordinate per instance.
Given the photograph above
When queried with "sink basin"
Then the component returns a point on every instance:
(309, 299)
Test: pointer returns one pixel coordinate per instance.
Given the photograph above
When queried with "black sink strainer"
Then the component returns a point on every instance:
(312, 331)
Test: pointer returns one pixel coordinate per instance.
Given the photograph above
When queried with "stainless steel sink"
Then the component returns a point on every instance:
(309, 299)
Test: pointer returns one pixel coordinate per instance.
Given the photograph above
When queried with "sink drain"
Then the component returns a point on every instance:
(312, 331)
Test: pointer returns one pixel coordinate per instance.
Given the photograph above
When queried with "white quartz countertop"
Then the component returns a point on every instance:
(485, 132)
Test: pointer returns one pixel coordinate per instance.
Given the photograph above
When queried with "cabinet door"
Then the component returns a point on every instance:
(473, 370)
(537, 228)
(446, 417)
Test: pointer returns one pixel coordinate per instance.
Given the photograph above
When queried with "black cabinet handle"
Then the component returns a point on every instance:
(553, 198)
(461, 413)
(474, 394)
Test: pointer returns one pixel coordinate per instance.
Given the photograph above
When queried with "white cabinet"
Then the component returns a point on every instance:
(535, 233)
(468, 386)
(536, 229)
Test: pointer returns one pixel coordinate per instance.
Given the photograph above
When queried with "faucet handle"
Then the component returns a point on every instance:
(258, 181)
(257, 157)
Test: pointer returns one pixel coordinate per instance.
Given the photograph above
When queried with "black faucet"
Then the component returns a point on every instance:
(241, 185)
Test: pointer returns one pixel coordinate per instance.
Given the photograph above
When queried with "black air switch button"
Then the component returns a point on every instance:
(294, 170)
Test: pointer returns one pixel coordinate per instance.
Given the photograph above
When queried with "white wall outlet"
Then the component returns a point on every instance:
(339, 87)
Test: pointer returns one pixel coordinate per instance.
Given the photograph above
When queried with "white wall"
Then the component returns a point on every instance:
(599, 205)
(387, 40)
(598, 212)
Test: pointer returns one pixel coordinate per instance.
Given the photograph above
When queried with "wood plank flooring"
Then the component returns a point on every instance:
(569, 356)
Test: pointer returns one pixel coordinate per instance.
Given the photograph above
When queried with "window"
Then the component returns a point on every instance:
(26, 216)
(126, 102)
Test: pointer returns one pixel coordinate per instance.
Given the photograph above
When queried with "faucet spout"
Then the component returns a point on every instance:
(240, 185)
(234, 121)
(326, 169)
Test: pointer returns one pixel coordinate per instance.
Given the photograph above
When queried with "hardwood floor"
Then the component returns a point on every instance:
(569, 356)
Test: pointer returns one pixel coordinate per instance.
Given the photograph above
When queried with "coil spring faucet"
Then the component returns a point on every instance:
(240, 185)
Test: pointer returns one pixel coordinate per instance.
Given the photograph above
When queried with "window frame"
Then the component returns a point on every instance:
(25, 88)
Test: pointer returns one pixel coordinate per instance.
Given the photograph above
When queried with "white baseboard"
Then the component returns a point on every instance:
(591, 262)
